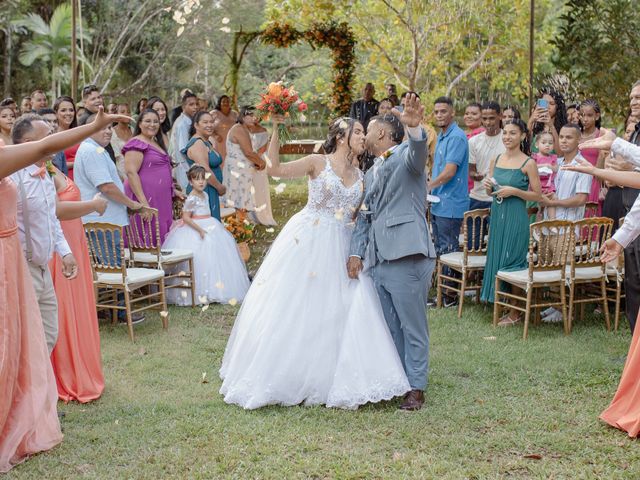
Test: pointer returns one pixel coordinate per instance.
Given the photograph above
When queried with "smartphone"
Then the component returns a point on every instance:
(542, 103)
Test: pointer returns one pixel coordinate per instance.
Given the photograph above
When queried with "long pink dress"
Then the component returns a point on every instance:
(76, 358)
(28, 419)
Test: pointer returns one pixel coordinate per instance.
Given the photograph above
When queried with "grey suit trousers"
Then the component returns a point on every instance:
(402, 286)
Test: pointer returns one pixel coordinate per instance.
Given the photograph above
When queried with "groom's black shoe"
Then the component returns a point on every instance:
(413, 401)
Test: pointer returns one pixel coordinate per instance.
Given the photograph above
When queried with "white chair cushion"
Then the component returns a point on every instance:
(521, 277)
(176, 255)
(586, 273)
(134, 276)
(455, 259)
(612, 269)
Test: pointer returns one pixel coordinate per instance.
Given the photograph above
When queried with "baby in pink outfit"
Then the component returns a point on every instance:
(547, 161)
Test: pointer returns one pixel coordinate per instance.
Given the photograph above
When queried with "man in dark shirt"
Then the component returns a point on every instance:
(632, 252)
(366, 108)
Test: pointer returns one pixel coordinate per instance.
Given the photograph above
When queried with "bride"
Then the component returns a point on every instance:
(306, 333)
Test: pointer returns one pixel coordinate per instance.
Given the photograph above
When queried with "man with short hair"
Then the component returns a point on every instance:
(25, 105)
(49, 116)
(366, 108)
(92, 99)
(484, 148)
(572, 194)
(38, 100)
(39, 229)
(180, 137)
(449, 181)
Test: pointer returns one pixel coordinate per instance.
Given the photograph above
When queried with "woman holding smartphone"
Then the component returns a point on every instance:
(549, 115)
(509, 179)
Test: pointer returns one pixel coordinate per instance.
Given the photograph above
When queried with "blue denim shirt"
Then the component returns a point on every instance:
(60, 161)
(452, 147)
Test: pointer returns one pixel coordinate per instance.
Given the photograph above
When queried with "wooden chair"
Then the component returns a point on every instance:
(145, 251)
(468, 261)
(549, 245)
(111, 276)
(615, 284)
(586, 274)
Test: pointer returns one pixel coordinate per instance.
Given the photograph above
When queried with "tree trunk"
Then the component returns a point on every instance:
(7, 62)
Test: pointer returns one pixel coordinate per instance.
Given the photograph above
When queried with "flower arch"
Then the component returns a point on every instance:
(336, 36)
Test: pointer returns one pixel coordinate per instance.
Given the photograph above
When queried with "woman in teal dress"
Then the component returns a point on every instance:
(511, 175)
(199, 150)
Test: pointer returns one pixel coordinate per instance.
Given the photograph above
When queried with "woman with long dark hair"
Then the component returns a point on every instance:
(240, 163)
(512, 181)
(550, 116)
(157, 104)
(67, 115)
(200, 151)
(328, 340)
(148, 168)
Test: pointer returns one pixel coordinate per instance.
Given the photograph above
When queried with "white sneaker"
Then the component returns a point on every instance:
(555, 317)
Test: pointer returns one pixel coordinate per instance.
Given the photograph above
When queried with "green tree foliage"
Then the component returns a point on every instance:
(50, 45)
(598, 47)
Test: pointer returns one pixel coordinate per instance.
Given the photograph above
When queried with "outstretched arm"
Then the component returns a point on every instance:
(622, 178)
(298, 168)
(17, 157)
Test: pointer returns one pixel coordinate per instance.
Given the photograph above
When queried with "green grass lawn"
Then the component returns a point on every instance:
(497, 407)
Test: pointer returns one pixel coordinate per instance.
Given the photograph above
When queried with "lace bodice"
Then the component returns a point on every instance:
(328, 196)
(197, 205)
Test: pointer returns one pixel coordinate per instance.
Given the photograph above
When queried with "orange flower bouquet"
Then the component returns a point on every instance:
(242, 230)
(281, 99)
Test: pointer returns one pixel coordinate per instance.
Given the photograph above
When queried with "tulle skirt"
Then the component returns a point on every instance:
(219, 272)
(306, 333)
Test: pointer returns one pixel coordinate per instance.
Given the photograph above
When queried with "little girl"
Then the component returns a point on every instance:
(547, 161)
(219, 272)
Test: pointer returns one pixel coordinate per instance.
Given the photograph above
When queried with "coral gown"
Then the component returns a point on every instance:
(624, 411)
(76, 357)
(28, 418)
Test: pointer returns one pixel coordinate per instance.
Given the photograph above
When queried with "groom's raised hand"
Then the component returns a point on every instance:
(413, 111)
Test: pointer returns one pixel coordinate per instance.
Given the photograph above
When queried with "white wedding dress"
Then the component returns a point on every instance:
(306, 333)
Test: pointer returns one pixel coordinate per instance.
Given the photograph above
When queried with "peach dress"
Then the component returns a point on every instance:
(76, 358)
(28, 418)
(624, 411)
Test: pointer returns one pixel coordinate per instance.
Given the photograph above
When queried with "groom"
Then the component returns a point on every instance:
(391, 229)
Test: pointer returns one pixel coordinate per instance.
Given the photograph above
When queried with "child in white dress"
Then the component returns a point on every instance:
(219, 272)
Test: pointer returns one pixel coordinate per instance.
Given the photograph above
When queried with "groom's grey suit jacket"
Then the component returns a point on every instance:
(392, 223)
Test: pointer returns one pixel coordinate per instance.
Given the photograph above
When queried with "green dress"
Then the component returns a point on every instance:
(509, 230)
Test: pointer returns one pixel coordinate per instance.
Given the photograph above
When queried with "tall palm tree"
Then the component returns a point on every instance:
(51, 43)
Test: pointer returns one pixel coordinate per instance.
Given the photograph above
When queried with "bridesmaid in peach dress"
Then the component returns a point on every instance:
(76, 358)
(624, 410)
(28, 418)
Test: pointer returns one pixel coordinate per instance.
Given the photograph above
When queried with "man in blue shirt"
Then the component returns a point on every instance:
(449, 179)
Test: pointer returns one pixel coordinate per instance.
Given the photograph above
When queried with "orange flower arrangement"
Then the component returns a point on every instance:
(338, 37)
(281, 99)
(242, 230)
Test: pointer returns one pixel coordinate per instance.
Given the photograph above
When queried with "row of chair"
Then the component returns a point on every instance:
(564, 269)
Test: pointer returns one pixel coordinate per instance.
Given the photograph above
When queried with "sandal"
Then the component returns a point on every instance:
(507, 321)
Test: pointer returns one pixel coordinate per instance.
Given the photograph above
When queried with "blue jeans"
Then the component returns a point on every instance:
(446, 235)
(107, 247)
(475, 241)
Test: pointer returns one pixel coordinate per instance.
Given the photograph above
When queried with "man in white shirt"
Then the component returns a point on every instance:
(572, 188)
(39, 229)
(483, 150)
(180, 137)
(572, 193)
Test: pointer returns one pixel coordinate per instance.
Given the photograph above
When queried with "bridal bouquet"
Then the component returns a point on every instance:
(281, 99)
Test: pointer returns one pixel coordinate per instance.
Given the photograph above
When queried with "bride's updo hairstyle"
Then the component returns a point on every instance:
(340, 128)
